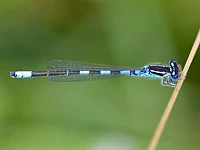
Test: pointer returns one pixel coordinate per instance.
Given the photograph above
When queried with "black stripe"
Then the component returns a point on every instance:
(46, 73)
(38, 73)
(115, 72)
(56, 73)
(94, 72)
(73, 72)
(159, 68)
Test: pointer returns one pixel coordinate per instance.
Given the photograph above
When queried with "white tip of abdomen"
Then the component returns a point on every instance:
(21, 74)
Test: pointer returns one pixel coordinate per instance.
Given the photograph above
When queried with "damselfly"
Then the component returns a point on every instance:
(70, 71)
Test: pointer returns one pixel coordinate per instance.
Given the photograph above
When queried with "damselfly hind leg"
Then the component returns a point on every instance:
(166, 81)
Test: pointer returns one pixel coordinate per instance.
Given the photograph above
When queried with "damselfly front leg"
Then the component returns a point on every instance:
(166, 81)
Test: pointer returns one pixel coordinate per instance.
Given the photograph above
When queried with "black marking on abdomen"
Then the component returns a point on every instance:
(135, 72)
(38, 73)
(115, 72)
(56, 73)
(73, 72)
(46, 73)
(94, 72)
(13, 74)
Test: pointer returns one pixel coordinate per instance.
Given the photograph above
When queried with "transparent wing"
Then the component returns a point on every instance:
(62, 65)
(78, 78)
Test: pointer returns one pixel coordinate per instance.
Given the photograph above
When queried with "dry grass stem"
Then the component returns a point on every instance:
(162, 123)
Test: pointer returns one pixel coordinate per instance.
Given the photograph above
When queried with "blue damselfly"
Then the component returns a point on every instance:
(70, 71)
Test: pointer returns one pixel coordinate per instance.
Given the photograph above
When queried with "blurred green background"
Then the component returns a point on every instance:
(115, 114)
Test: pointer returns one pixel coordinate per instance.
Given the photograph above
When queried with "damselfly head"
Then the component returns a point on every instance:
(175, 70)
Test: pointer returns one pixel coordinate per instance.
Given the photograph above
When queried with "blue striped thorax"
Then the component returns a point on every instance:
(158, 70)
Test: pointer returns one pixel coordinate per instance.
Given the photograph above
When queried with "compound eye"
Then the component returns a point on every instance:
(174, 69)
(173, 63)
